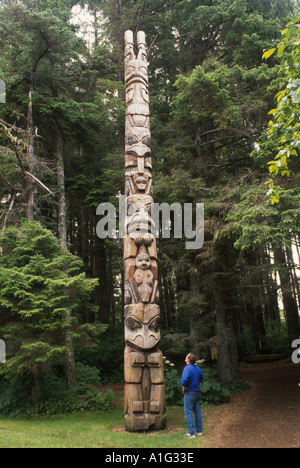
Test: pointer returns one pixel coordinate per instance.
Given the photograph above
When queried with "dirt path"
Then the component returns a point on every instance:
(265, 416)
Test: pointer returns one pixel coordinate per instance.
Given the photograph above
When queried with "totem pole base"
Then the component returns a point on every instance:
(144, 390)
(145, 422)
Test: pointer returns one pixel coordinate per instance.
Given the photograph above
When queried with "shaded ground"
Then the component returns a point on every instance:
(265, 416)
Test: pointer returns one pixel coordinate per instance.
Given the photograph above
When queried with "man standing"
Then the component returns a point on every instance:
(190, 381)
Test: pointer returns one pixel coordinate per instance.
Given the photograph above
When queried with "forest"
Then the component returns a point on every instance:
(224, 83)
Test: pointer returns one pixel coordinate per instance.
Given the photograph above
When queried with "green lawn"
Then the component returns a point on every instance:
(101, 429)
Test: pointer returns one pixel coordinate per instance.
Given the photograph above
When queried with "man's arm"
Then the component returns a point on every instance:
(185, 380)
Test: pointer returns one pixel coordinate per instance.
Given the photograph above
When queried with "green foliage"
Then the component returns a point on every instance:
(274, 340)
(215, 393)
(107, 355)
(212, 391)
(284, 129)
(76, 400)
(14, 397)
(172, 384)
(53, 396)
(256, 220)
(87, 375)
(42, 289)
(177, 344)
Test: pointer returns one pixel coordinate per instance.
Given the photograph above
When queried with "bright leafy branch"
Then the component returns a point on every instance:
(285, 128)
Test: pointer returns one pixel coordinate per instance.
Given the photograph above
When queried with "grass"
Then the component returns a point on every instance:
(103, 429)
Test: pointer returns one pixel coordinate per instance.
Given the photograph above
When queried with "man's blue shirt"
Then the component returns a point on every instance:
(191, 377)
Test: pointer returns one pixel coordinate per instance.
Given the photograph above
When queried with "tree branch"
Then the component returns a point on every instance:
(164, 7)
(20, 167)
(40, 183)
(9, 184)
(11, 139)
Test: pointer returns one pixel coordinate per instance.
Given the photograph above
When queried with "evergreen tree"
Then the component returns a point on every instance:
(42, 289)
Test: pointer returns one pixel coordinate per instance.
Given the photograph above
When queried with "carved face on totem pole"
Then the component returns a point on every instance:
(136, 182)
(142, 326)
(137, 146)
(143, 261)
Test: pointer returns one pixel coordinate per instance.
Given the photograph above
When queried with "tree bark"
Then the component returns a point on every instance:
(70, 370)
(289, 302)
(194, 328)
(228, 367)
(30, 151)
(30, 135)
(61, 211)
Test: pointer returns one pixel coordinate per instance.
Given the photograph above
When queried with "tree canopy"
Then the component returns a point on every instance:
(216, 71)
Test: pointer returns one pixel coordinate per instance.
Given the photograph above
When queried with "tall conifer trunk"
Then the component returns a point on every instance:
(30, 150)
(228, 367)
(61, 208)
(289, 302)
(62, 235)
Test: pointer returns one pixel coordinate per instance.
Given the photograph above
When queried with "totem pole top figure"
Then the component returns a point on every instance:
(136, 78)
(137, 134)
(142, 50)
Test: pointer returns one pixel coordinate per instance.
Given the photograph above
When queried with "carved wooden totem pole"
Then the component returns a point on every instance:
(144, 375)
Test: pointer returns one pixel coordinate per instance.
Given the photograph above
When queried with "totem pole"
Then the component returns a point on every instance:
(145, 406)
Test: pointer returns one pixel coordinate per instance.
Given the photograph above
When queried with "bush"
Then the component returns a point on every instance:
(212, 392)
(54, 397)
(87, 374)
(172, 384)
(107, 355)
(277, 337)
(81, 398)
(14, 399)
